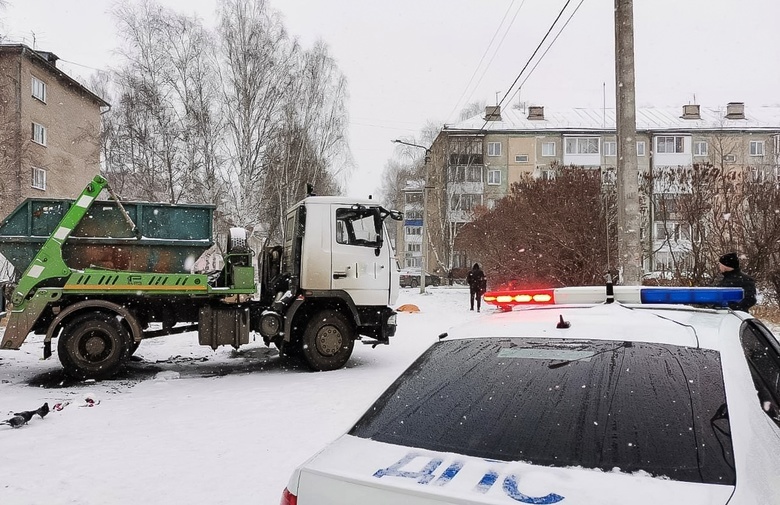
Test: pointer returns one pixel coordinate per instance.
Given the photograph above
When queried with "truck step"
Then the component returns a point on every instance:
(374, 343)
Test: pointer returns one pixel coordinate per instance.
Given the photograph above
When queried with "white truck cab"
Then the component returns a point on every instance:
(332, 282)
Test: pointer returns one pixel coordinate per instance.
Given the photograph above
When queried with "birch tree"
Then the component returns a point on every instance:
(164, 123)
(256, 74)
(310, 145)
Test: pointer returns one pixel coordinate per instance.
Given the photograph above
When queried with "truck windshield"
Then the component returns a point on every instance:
(602, 405)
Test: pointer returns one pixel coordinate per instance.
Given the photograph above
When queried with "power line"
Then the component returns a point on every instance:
(487, 49)
(558, 17)
(546, 50)
(495, 53)
(85, 66)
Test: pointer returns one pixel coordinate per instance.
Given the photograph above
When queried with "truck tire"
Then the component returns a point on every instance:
(328, 341)
(415, 283)
(93, 346)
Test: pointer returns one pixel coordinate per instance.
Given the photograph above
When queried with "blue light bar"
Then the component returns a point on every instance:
(702, 296)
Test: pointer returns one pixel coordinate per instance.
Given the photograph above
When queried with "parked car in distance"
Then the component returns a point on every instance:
(660, 396)
(411, 279)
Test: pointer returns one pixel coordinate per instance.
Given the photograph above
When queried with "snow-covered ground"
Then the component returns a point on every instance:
(190, 425)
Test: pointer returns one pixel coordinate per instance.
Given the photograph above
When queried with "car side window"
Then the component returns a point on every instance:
(762, 352)
(359, 227)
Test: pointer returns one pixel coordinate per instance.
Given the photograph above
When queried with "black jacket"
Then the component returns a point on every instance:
(476, 279)
(737, 279)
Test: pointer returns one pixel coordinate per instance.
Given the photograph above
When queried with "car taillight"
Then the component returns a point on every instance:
(288, 498)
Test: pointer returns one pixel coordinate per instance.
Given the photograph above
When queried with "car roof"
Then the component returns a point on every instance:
(664, 324)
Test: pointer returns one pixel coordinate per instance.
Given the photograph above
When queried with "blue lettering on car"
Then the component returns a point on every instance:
(510, 488)
(450, 472)
(423, 476)
(426, 475)
(487, 482)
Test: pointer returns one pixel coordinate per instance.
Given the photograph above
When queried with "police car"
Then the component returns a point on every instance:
(583, 396)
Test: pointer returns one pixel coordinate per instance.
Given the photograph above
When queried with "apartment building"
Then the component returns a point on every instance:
(411, 228)
(475, 161)
(49, 128)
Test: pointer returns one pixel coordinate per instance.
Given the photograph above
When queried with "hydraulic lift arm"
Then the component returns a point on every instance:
(29, 302)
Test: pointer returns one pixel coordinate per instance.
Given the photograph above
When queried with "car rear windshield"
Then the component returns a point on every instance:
(603, 404)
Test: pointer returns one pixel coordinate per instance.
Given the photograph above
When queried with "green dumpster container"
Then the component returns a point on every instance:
(172, 236)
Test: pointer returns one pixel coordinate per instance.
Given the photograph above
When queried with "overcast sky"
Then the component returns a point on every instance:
(410, 61)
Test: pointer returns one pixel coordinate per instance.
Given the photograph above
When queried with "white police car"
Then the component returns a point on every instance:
(572, 400)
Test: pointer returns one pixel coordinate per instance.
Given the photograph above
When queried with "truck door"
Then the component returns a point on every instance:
(293, 246)
(361, 259)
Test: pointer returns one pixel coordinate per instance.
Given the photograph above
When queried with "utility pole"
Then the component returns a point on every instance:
(629, 245)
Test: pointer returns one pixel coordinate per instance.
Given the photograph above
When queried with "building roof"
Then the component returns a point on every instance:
(647, 119)
(47, 60)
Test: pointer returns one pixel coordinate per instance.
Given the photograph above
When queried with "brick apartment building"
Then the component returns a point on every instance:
(49, 129)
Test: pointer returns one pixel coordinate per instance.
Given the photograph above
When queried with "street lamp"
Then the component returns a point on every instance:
(424, 251)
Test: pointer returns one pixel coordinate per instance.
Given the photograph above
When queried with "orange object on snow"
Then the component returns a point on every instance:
(408, 307)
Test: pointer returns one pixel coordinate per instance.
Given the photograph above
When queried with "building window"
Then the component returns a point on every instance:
(413, 214)
(494, 148)
(640, 148)
(413, 262)
(494, 177)
(521, 158)
(465, 174)
(700, 148)
(459, 259)
(674, 231)
(39, 134)
(610, 148)
(670, 145)
(465, 202)
(608, 176)
(414, 230)
(582, 145)
(413, 247)
(756, 147)
(414, 197)
(39, 89)
(548, 148)
(39, 178)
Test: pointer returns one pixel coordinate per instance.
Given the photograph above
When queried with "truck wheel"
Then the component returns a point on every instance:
(328, 341)
(93, 346)
(415, 283)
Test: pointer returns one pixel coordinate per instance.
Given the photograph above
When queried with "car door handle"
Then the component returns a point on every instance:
(339, 275)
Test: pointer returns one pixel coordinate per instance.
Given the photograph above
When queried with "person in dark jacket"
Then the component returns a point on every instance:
(477, 285)
(733, 277)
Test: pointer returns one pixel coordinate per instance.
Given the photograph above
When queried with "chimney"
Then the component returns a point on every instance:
(493, 113)
(536, 113)
(735, 110)
(691, 111)
(50, 57)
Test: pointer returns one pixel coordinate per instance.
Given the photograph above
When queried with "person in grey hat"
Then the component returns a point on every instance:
(733, 277)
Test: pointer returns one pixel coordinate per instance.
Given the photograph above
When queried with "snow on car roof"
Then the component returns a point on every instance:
(687, 326)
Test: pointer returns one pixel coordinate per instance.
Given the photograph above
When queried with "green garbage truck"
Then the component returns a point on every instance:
(100, 276)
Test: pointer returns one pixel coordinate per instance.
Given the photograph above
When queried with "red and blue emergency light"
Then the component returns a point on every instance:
(719, 297)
